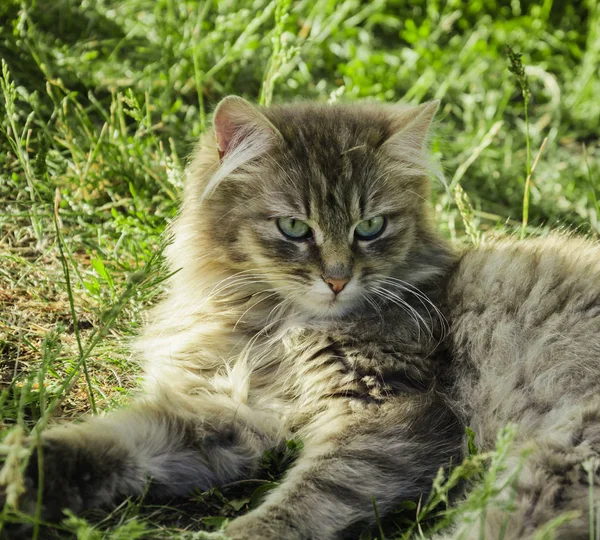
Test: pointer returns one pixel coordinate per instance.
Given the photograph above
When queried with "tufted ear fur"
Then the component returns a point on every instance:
(407, 143)
(242, 133)
(411, 124)
(235, 121)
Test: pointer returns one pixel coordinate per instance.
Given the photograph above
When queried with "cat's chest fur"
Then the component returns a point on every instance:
(306, 370)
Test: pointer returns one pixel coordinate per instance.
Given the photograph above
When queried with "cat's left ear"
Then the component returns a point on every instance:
(411, 125)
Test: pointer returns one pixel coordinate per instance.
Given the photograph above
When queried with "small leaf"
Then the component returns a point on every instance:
(101, 270)
(238, 504)
(214, 522)
(407, 505)
(294, 444)
(92, 286)
(260, 492)
(473, 450)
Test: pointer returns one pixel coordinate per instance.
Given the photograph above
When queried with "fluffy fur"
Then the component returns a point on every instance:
(252, 347)
(526, 339)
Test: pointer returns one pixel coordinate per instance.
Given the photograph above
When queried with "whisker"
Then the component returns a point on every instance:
(253, 306)
(400, 302)
(424, 301)
(423, 298)
(374, 305)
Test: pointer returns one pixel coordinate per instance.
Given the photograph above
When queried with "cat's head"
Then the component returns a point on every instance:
(323, 207)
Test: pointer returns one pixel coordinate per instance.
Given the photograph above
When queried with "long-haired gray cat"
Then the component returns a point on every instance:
(315, 300)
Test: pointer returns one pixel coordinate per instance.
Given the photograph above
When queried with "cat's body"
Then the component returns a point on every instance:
(300, 312)
(525, 333)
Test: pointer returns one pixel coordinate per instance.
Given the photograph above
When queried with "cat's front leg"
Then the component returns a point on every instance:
(172, 444)
(384, 453)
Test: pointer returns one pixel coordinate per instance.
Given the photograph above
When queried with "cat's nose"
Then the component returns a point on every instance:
(336, 284)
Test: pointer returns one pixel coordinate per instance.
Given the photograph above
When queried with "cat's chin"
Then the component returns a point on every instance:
(328, 308)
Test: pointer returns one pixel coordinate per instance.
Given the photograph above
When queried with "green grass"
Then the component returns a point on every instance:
(101, 102)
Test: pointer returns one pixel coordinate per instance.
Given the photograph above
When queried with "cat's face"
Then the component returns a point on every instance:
(321, 207)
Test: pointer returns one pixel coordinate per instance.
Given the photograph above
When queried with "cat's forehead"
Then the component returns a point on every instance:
(329, 161)
(330, 129)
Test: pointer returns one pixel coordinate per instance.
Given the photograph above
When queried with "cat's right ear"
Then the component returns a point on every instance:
(236, 121)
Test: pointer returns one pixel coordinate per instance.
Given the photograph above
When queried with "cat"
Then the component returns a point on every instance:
(314, 299)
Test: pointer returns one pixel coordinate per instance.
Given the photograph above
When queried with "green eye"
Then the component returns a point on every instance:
(369, 229)
(295, 229)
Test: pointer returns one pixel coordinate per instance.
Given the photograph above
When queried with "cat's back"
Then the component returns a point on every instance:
(525, 326)
(530, 281)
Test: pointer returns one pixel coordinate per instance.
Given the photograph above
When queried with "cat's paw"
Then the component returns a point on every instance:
(58, 464)
(61, 465)
(13, 527)
(74, 476)
(264, 525)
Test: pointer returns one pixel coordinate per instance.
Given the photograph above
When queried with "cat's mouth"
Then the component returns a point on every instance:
(329, 305)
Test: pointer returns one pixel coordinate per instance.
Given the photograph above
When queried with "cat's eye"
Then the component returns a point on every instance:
(369, 229)
(296, 229)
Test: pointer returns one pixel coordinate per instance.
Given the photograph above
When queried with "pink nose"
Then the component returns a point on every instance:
(336, 285)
